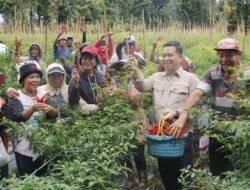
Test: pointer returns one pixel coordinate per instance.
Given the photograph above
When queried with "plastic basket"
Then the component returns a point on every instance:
(165, 146)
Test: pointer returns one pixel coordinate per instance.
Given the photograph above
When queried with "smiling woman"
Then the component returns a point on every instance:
(25, 108)
(83, 84)
(88, 63)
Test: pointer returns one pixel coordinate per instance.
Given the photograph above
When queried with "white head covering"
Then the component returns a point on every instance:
(3, 49)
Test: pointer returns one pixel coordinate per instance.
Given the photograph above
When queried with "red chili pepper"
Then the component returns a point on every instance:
(152, 130)
(166, 129)
(40, 100)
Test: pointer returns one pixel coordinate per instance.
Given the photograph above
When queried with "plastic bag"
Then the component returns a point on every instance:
(203, 149)
(4, 156)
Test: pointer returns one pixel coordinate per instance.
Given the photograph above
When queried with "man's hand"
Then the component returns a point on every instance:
(167, 116)
(156, 41)
(177, 126)
(18, 44)
(76, 77)
(12, 92)
(170, 115)
(154, 44)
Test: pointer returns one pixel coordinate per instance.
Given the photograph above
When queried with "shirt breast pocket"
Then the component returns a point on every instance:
(178, 95)
(158, 91)
(179, 90)
(159, 88)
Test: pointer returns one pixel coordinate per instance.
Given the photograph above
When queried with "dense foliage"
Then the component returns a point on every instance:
(234, 134)
(153, 12)
(85, 151)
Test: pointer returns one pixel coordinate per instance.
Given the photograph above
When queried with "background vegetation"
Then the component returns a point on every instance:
(25, 15)
(89, 152)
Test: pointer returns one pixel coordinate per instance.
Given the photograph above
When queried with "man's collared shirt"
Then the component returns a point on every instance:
(170, 91)
(223, 93)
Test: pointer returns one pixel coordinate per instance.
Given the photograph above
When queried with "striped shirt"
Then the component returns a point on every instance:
(224, 95)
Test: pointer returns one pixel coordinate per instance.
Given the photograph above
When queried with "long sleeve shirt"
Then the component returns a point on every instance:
(170, 91)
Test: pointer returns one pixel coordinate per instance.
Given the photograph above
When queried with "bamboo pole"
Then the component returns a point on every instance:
(46, 41)
(143, 32)
(107, 43)
(15, 19)
(210, 19)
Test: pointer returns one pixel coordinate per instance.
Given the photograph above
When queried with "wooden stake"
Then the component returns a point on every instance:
(46, 41)
(143, 32)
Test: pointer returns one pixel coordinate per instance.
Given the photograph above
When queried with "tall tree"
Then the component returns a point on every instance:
(194, 12)
(235, 12)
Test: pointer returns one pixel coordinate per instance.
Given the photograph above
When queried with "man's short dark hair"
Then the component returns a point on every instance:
(176, 44)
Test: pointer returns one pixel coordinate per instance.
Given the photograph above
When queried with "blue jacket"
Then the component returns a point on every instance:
(59, 52)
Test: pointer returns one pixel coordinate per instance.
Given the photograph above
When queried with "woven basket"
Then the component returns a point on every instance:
(165, 146)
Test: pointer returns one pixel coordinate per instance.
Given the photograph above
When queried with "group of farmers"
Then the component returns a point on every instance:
(84, 66)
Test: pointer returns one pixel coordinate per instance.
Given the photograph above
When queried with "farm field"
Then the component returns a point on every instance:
(88, 152)
(197, 44)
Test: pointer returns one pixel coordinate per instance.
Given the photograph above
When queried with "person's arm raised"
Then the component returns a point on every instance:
(140, 82)
(74, 96)
(56, 40)
(153, 58)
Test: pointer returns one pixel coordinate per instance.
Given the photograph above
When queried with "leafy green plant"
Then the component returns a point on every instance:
(88, 153)
(197, 179)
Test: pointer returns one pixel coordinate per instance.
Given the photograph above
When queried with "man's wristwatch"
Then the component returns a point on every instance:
(177, 114)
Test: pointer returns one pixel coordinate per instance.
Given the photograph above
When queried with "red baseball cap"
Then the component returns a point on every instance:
(91, 50)
(228, 44)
